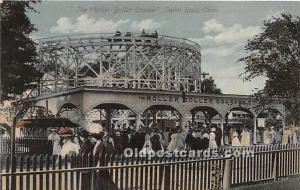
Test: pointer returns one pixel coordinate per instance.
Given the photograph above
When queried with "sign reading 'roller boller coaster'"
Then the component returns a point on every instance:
(227, 101)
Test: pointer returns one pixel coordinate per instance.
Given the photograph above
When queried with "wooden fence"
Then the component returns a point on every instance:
(21, 147)
(46, 172)
(266, 163)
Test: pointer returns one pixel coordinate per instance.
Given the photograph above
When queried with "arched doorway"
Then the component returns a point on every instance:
(203, 115)
(272, 117)
(270, 124)
(111, 116)
(203, 118)
(69, 111)
(239, 120)
(164, 117)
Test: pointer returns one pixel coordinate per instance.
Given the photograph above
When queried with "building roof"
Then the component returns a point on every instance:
(46, 123)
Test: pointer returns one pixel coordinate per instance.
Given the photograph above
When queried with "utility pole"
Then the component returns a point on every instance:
(203, 77)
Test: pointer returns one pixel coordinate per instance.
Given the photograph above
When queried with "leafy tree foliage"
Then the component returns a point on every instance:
(18, 51)
(275, 53)
(208, 86)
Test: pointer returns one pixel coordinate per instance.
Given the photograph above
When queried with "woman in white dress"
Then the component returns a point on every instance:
(147, 145)
(5, 136)
(266, 137)
(278, 136)
(226, 137)
(180, 141)
(245, 141)
(285, 136)
(76, 141)
(235, 139)
(55, 138)
(69, 148)
(258, 136)
(272, 135)
(172, 145)
(294, 137)
(212, 139)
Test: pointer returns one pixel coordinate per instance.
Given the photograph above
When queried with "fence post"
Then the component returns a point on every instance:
(275, 166)
(227, 174)
(167, 177)
(12, 155)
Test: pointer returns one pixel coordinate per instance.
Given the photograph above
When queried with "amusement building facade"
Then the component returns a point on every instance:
(135, 80)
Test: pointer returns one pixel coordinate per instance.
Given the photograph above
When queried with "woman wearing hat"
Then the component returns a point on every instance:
(147, 145)
(189, 139)
(103, 178)
(235, 139)
(55, 139)
(118, 142)
(212, 138)
(205, 140)
(69, 148)
(172, 145)
(180, 140)
(245, 140)
(86, 154)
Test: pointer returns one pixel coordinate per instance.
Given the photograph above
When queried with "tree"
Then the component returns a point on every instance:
(18, 51)
(208, 86)
(275, 53)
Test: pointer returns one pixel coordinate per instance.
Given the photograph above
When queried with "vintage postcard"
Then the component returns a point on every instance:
(111, 95)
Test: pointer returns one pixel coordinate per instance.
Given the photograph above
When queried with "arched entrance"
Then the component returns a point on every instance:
(240, 119)
(203, 115)
(161, 116)
(164, 117)
(204, 118)
(69, 111)
(111, 116)
(272, 117)
(270, 124)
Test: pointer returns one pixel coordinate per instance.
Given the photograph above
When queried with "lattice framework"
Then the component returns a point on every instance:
(107, 60)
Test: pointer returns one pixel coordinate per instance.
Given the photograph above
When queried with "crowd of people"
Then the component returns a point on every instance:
(153, 139)
(267, 135)
(145, 139)
(272, 135)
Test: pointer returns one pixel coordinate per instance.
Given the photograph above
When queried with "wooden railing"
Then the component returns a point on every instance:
(266, 163)
(45, 172)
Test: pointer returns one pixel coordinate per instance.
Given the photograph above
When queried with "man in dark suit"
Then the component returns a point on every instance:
(218, 136)
(86, 155)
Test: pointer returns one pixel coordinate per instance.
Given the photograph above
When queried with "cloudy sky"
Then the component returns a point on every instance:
(221, 28)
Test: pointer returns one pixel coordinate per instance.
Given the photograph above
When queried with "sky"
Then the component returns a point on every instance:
(221, 28)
